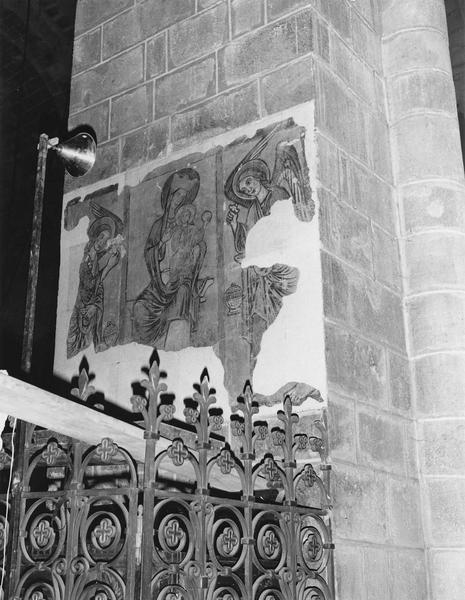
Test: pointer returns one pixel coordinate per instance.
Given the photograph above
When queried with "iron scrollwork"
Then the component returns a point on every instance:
(202, 519)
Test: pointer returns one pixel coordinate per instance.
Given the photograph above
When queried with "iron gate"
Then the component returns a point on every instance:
(201, 519)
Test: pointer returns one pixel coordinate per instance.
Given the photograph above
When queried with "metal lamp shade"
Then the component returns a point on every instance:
(77, 154)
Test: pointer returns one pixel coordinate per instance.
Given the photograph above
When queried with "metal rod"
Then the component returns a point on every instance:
(29, 320)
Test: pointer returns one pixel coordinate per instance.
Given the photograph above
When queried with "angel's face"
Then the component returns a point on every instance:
(250, 185)
(101, 240)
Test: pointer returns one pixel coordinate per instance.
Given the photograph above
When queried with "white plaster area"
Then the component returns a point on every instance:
(117, 368)
(292, 348)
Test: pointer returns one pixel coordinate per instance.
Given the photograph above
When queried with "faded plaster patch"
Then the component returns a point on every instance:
(290, 349)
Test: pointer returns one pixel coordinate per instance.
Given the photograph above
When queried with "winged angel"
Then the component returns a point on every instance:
(252, 186)
(102, 253)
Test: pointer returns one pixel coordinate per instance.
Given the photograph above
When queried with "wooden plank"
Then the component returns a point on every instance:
(34, 405)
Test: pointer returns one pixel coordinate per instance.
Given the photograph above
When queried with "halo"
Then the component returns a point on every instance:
(99, 225)
(256, 166)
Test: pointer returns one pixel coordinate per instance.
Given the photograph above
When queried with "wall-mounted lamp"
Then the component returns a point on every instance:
(78, 156)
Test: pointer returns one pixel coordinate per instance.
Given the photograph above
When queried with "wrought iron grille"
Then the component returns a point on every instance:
(201, 519)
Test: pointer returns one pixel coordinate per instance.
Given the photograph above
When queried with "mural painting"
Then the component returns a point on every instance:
(167, 310)
(163, 262)
(102, 253)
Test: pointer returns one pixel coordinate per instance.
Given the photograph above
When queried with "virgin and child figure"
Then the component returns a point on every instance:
(101, 253)
(166, 312)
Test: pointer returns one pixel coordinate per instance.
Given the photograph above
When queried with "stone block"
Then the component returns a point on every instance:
(348, 561)
(146, 19)
(440, 381)
(338, 14)
(421, 49)
(366, 42)
(380, 94)
(96, 117)
(367, 306)
(246, 15)
(184, 87)
(155, 15)
(220, 114)
(107, 79)
(428, 147)
(386, 260)
(144, 145)
(90, 13)
(399, 15)
(377, 312)
(411, 449)
(447, 574)
(200, 35)
(345, 179)
(399, 382)
(372, 197)
(86, 52)
(131, 110)
(156, 56)
(443, 448)
(444, 498)
(405, 513)
(258, 51)
(420, 91)
(381, 441)
(336, 289)
(288, 86)
(123, 31)
(327, 163)
(437, 322)
(432, 206)
(338, 113)
(106, 164)
(376, 576)
(366, 9)
(409, 570)
(360, 504)
(322, 46)
(344, 232)
(355, 367)
(204, 4)
(379, 153)
(341, 425)
(278, 8)
(435, 261)
(355, 73)
(305, 31)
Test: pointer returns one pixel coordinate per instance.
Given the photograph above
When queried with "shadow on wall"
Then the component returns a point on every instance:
(36, 48)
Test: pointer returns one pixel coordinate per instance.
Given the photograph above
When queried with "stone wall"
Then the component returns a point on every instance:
(430, 192)
(455, 10)
(456, 28)
(156, 75)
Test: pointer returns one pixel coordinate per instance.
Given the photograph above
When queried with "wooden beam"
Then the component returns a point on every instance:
(34, 405)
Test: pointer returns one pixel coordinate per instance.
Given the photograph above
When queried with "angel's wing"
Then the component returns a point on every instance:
(289, 174)
(99, 211)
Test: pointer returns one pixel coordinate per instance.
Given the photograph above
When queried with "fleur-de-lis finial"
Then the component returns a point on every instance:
(84, 390)
(205, 397)
(248, 407)
(149, 404)
(289, 419)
